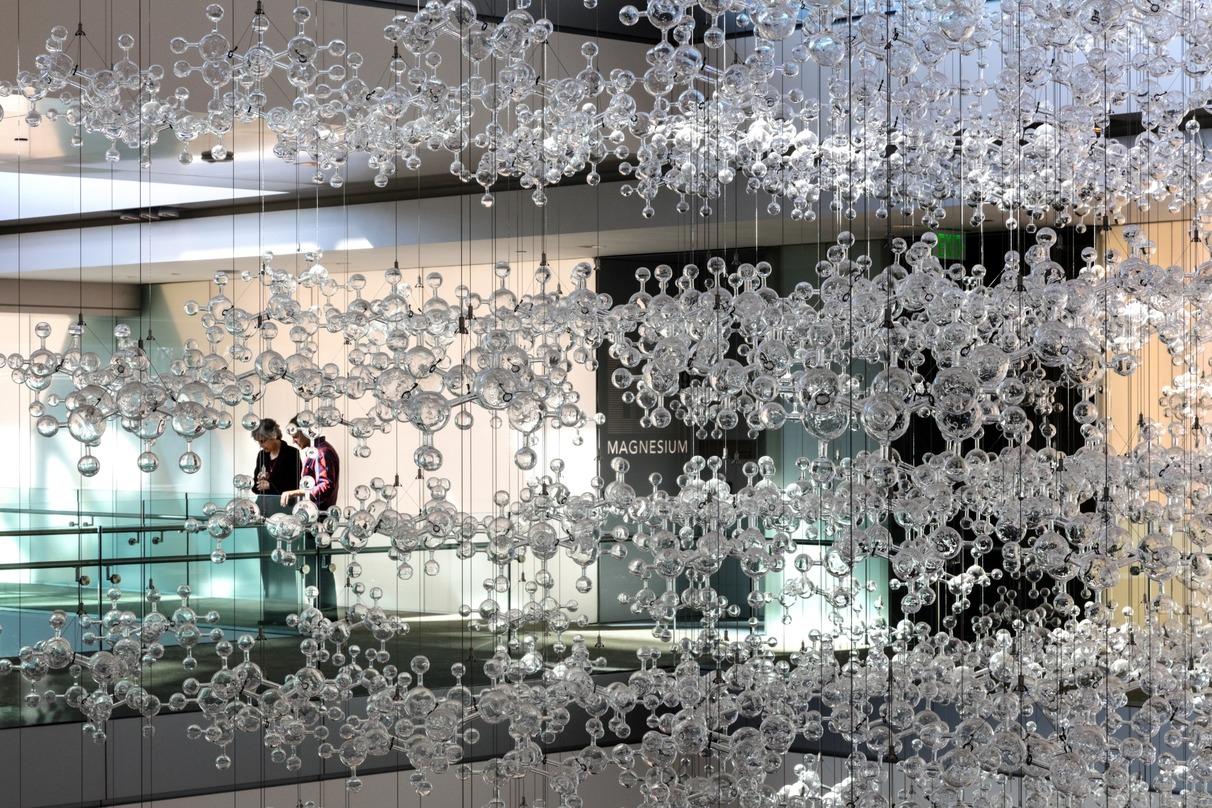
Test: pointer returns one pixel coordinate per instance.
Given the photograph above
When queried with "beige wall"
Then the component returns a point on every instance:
(478, 461)
(1128, 399)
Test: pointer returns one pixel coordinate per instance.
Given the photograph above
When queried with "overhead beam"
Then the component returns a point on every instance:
(360, 193)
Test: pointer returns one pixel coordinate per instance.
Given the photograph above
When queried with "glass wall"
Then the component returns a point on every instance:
(81, 544)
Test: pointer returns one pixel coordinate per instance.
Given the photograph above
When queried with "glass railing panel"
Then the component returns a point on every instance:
(50, 563)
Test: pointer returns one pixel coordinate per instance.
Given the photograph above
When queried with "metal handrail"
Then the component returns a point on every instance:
(91, 530)
(115, 561)
(178, 559)
(169, 517)
(145, 500)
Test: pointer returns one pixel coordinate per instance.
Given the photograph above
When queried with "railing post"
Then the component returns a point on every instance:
(101, 576)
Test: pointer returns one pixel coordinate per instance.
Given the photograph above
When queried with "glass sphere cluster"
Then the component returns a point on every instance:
(807, 113)
(1014, 642)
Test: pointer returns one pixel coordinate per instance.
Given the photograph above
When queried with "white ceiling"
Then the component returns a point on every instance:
(39, 195)
(579, 222)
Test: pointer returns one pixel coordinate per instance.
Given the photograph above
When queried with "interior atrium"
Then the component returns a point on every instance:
(578, 404)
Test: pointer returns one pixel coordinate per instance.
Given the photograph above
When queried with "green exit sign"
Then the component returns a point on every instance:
(950, 246)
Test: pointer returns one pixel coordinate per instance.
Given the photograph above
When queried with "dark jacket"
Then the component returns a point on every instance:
(284, 470)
